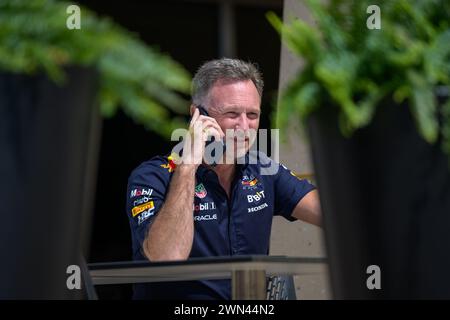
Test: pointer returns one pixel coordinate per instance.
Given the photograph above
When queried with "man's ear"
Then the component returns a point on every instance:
(192, 110)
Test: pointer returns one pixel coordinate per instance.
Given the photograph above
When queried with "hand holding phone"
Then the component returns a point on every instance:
(215, 145)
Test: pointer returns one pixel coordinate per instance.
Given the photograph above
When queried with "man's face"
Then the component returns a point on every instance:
(236, 106)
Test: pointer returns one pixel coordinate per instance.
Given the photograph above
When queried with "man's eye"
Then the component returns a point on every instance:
(232, 114)
(253, 115)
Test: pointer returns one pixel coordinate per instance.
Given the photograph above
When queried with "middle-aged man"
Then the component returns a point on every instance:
(181, 207)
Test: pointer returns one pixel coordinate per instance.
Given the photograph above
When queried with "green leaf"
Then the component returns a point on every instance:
(299, 37)
(437, 59)
(423, 103)
(146, 83)
(306, 98)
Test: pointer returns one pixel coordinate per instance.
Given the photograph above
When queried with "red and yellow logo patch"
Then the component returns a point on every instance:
(171, 165)
(250, 183)
(141, 208)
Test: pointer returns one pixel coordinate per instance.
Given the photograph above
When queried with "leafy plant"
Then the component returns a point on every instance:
(144, 82)
(354, 68)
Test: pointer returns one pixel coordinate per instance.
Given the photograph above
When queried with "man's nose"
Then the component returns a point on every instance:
(243, 122)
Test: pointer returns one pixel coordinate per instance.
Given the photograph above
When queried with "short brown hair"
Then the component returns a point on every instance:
(224, 69)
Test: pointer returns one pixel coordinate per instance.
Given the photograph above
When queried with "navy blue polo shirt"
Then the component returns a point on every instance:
(239, 225)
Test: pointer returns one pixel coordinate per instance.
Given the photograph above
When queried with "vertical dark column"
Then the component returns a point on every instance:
(45, 145)
(227, 30)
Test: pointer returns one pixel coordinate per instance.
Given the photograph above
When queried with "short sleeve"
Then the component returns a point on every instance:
(146, 191)
(289, 190)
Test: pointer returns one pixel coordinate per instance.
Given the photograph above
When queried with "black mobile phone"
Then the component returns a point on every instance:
(203, 111)
(221, 143)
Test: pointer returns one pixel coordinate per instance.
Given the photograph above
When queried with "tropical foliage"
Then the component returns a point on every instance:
(149, 86)
(355, 68)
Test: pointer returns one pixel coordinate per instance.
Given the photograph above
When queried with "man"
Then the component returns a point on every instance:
(181, 207)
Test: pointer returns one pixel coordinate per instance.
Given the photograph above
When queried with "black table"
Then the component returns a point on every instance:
(247, 273)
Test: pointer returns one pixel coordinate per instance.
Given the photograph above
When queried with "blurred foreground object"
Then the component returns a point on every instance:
(49, 146)
(52, 82)
(378, 111)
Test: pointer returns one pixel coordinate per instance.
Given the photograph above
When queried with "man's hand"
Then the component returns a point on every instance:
(200, 128)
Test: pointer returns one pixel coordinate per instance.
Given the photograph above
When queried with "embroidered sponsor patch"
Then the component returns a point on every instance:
(138, 209)
(171, 165)
(205, 206)
(145, 215)
(200, 191)
(254, 209)
(255, 197)
(140, 192)
(142, 200)
(249, 182)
